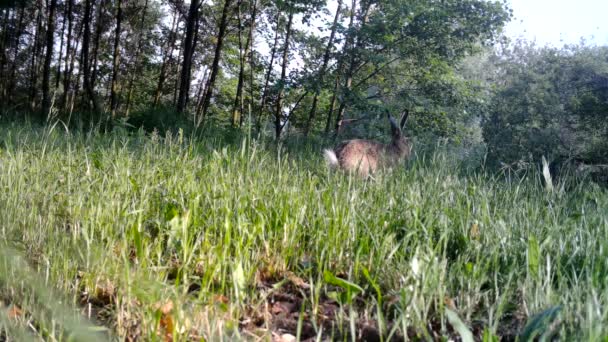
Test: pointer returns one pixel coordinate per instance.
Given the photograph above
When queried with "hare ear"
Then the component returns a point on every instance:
(395, 130)
(404, 117)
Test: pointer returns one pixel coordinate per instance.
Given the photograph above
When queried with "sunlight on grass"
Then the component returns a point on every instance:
(158, 237)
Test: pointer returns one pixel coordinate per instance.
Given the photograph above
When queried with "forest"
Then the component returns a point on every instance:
(162, 177)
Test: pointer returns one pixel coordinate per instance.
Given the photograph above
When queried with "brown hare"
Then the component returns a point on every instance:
(366, 156)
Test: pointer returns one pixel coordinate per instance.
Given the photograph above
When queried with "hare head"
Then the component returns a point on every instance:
(367, 156)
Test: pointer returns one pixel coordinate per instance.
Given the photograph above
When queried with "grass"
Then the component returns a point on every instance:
(170, 238)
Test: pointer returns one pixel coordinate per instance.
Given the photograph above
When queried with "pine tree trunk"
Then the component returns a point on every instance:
(46, 72)
(96, 41)
(216, 58)
(75, 89)
(278, 125)
(332, 103)
(199, 96)
(13, 65)
(330, 42)
(269, 72)
(33, 61)
(251, 58)
(166, 57)
(238, 108)
(348, 78)
(67, 72)
(60, 57)
(184, 86)
(116, 62)
(85, 62)
(364, 16)
(4, 50)
(135, 69)
(177, 79)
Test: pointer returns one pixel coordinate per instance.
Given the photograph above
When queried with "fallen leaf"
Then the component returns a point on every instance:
(105, 291)
(283, 308)
(14, 312)
(166, 321)
(474, 231)
(221, 299)
(449, 302)
(297, 281)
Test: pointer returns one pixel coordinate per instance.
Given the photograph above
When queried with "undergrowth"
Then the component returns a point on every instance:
(177, 238)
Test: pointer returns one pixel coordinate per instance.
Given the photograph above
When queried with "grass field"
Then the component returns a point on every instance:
(146, 237)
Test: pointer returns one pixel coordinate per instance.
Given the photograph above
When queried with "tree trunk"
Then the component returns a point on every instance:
(166, 57)
(278, 125)
(46, 72)
(116, 62)
(330, 42)
(67, 73)
(86, 40)
(199, 96)
(4, 50)
(184, 87)
(237, 111)
(352, 65)
(96, 39)
(269, 72)
(33, 61)
(177, 79)
(60, 57)
(332, 103)
(75, 89)
(135, 70)
(237, 106)
(251, 57)
(13, 65)
(348, 80)
(216, 58)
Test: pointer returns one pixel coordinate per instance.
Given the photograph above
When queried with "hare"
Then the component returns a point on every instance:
(366, 156)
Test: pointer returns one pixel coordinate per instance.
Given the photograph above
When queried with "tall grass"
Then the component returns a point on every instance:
(165, 235)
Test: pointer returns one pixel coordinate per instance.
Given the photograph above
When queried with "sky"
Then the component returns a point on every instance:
(559, 22)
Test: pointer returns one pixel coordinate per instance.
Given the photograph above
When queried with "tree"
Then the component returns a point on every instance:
(168, 50)
(116, 61)
(323, 69)
(136, 63)
(184, 87)
(402, 50)
(8, 89)
(264, 96)
(237, 110)
(548, 102)
(68, 51)
(34, 60)
(84, 60)
(46, 73)
(216, 58)
(278, 117)
(304, 7)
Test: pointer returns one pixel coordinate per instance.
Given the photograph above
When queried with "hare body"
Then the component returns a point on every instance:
(366, 156)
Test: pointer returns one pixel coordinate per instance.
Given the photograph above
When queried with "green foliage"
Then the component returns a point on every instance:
(549, 102)
(406, 57)
(161, 119)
